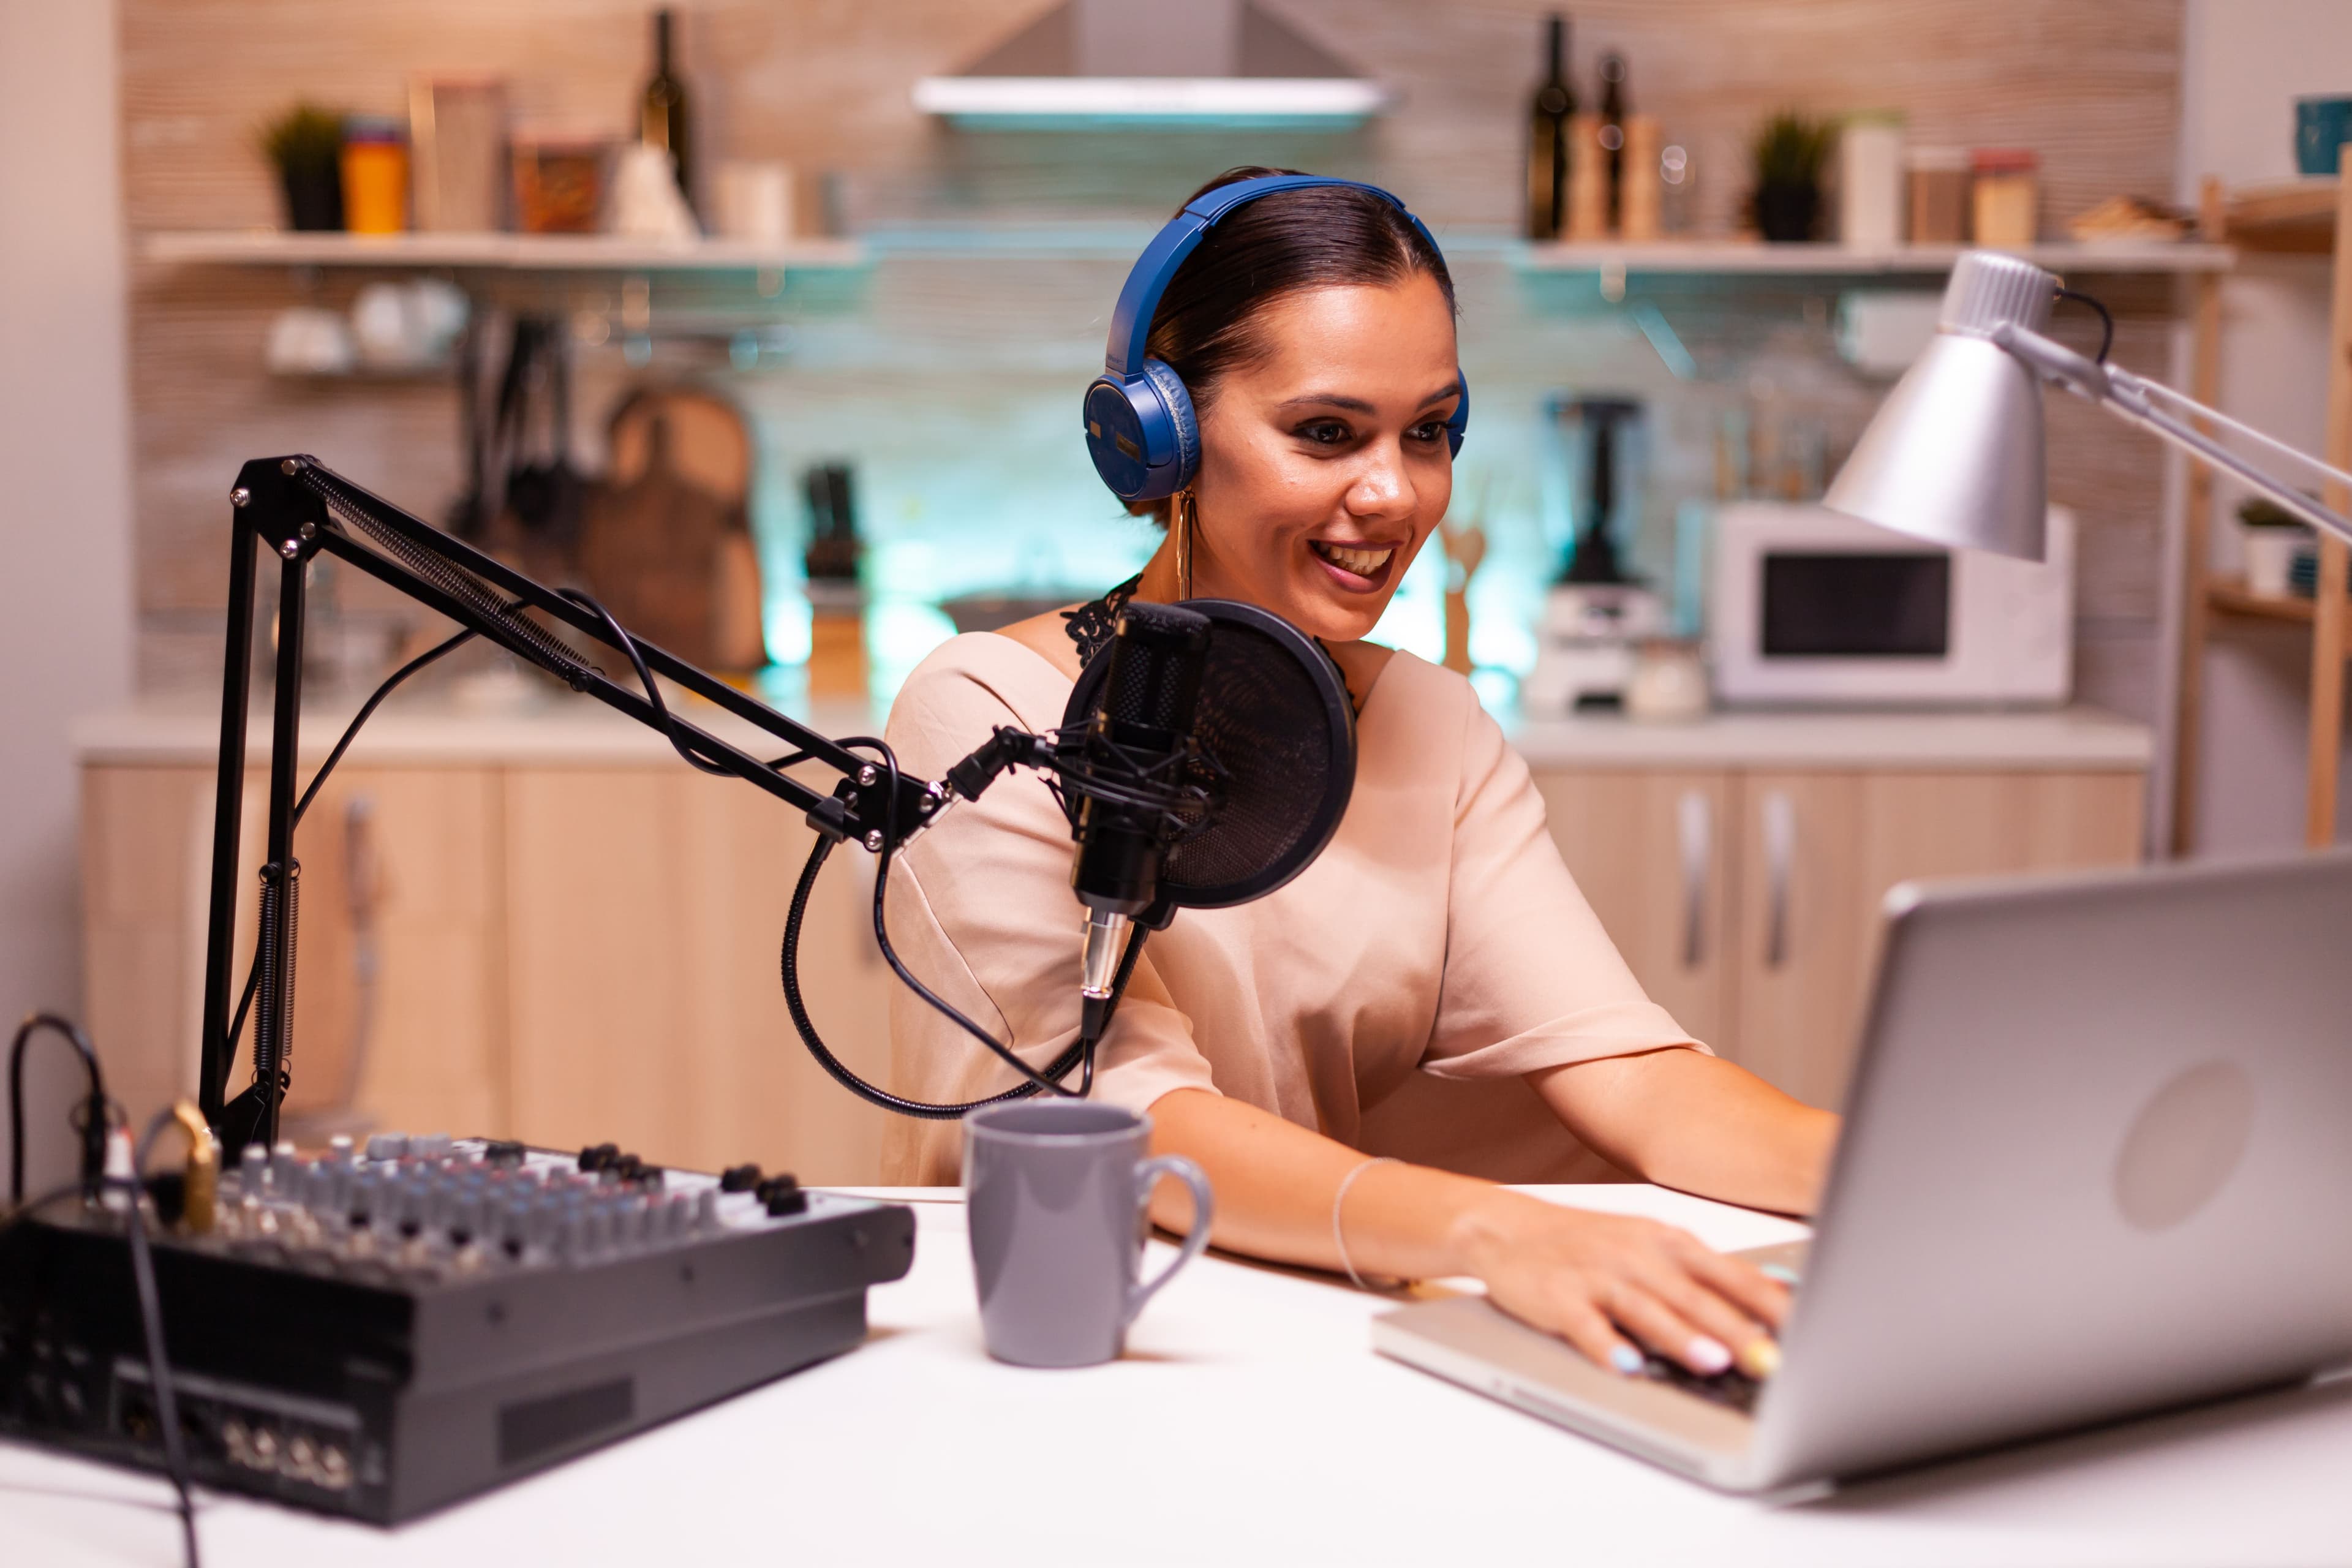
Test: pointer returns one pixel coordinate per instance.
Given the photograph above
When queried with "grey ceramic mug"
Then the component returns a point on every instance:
(1057, 1194)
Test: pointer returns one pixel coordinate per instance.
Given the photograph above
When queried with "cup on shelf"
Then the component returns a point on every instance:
(306, 340)
(755, 201)
(2270, 552)
(2322, 126)
(407, 326)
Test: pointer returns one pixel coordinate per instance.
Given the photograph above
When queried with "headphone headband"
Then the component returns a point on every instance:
(1139, 299)
(1140, 427)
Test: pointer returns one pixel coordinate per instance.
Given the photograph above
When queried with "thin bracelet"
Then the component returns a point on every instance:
(1340, 1241)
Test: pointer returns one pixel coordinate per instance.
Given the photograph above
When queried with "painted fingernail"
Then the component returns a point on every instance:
(1780, 1271)
(1705, 1356)
(1761, 1359)
(1626, 1360)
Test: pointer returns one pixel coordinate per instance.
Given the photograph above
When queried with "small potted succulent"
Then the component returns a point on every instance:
(305, 144)
(2272, 536)
(1791, 153)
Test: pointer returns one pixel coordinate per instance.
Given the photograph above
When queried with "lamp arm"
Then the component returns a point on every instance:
(2135, 399)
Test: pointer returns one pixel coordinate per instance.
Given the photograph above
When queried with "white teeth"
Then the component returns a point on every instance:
(1362, 562)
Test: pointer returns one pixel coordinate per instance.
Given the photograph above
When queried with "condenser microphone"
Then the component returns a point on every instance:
(1136, 752)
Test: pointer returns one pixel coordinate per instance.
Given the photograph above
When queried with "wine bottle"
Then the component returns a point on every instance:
(662, 117)
(1547, 117)
(1613, 135)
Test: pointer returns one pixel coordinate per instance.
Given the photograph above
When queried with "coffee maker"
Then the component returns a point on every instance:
(1598, 611)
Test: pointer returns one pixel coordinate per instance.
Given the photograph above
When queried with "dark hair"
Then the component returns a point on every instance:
(1313, 237)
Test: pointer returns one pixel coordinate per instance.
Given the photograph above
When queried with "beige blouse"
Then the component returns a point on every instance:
(1389, 996)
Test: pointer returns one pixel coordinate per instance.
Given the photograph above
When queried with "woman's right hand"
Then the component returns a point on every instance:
(1610, 1283)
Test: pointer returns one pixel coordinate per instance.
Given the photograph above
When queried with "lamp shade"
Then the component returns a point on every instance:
(1955, 454)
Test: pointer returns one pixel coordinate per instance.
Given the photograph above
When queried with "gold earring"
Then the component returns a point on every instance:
(1184, 524)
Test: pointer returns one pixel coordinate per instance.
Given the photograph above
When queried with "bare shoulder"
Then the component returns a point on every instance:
(1362, 663)
(1048, 636)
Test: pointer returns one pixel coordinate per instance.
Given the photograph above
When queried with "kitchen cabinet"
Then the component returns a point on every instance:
(646, 1002)
(565, 953)
(1746, 900)
(544, 927)
(1649, 851)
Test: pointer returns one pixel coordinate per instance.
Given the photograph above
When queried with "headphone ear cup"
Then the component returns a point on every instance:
(1182, 421)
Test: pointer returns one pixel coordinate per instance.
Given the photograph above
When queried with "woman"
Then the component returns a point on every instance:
(1432, 991)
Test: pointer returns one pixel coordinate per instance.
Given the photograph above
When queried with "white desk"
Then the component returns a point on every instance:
(1249, 1423)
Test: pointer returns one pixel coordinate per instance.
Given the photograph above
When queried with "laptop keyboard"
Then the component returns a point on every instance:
(1733, 1388)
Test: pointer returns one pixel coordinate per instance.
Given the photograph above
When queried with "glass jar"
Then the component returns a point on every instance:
(375, 176)
(559, 182)
(2006, 197)
(1939, 195)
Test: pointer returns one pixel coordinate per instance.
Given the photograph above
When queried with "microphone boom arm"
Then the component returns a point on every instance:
(301, 510)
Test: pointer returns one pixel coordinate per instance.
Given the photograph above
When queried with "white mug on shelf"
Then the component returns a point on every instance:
(755, 202)
(2270, 558)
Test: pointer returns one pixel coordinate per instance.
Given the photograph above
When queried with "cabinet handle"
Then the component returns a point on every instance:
(1779, 856)
(1696, 822)
(364, 898)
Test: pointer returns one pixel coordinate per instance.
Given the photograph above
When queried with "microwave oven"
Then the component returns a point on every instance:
(1810, 607)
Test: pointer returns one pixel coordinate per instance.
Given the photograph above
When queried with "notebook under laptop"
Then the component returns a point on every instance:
(2097, 1162)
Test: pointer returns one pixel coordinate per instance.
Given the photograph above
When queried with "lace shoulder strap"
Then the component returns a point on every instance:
(1092, 625)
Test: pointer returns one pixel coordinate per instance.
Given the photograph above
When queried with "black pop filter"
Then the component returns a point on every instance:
(1276, 738)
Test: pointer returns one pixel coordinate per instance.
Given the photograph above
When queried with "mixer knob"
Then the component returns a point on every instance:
(502, 1152)
(739, 1178)
(705, 1210)
(430, 1146)
(782, 1194)
(339, 1147)
(387, 1145)
(596, 1156)
(361, 1196)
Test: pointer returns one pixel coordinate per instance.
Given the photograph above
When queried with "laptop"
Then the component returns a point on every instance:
(2097, 1162)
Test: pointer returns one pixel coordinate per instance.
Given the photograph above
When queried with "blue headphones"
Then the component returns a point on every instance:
(1140, 427)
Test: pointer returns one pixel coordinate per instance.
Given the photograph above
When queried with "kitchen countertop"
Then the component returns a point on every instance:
(2076, 737)
(577, 733)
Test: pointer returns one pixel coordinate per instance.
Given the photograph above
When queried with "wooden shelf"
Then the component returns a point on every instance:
(2296, 216)
(1754, 257)
(496, 252)
(2230, 597)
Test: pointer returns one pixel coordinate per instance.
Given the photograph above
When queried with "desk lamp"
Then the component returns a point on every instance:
(1955, 454)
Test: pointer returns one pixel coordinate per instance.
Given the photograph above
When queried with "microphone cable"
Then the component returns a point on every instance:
(1080, 1055)
(90, 1186)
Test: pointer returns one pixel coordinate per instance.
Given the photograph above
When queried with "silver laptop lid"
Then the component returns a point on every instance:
(2097, 1160)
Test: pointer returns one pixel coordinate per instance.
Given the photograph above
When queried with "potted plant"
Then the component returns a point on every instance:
(1791, 153)
(2272, 536)
(305, 144)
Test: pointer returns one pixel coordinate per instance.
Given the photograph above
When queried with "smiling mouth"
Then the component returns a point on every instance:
(1367, 563)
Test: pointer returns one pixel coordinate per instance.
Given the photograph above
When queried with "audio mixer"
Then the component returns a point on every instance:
(376, 1331)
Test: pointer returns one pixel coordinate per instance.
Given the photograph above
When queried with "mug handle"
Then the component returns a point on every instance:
(1147, 1176)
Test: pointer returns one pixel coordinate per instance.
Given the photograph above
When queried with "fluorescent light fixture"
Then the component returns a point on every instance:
(1144, 99)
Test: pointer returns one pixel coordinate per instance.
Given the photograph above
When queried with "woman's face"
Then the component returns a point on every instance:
(1324, 463)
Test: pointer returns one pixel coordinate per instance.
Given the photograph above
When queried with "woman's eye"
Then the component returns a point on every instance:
(1428, 430)
(1323, 432)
